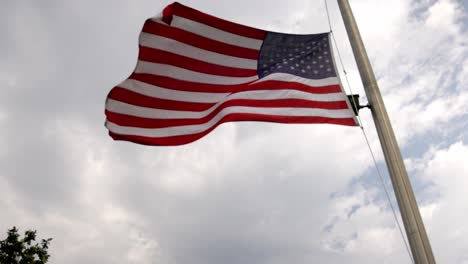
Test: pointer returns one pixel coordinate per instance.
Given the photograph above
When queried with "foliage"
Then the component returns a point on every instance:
(16, 250)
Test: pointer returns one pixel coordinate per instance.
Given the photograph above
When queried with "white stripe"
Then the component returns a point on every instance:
(176, 47)
(193, 129)
(146, 112)
(170, 94)
(200, 97)
(214, 33)
(294, 78)
(158, 19)
(188, 75)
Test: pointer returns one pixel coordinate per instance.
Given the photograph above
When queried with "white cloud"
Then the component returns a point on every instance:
(443, 15)
(418, 62)
(445, 171)
(363, 228)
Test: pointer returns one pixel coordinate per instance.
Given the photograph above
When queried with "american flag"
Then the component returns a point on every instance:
(196, 71)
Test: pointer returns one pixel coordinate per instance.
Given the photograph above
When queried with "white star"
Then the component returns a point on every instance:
(328, 69)
(308, 67)
(302, 70)
(292, 68)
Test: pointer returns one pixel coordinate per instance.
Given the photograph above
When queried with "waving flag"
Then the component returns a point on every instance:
(196, 71)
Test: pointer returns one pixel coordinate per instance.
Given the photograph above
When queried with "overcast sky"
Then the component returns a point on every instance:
(248, 192)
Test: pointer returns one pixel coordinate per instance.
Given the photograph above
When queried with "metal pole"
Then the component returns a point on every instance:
(415, 231)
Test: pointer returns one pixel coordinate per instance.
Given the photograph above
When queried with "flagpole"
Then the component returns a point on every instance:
(414, 227)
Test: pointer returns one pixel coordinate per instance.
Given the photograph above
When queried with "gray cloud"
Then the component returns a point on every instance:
(248, 192)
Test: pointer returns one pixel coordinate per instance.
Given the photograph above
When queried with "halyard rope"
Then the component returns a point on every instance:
(382, 182)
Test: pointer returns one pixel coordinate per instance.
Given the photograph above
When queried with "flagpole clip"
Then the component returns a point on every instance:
(354, 101)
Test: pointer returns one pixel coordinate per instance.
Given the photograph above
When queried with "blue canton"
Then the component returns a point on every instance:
(307, 56)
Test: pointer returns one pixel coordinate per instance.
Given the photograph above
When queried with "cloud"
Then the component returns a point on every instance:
(445, 170)
(248, 192)
(429, 94)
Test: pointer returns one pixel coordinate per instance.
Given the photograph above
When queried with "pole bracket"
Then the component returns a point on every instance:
(354, 101)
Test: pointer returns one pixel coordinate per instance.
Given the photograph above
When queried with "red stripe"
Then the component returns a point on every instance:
(180, 140)
(160, 56)
(175, 84)
(171, 83)
(195, 15)
(134, 121)
(199, 41)
(130, 97)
